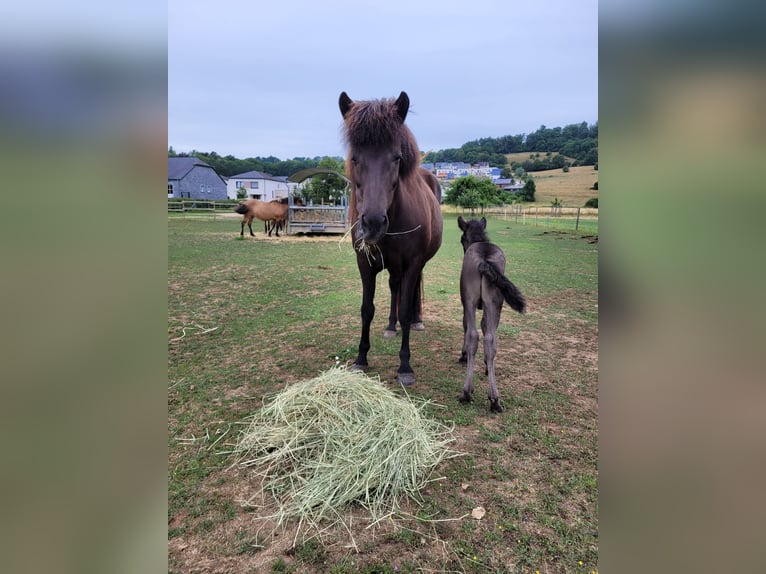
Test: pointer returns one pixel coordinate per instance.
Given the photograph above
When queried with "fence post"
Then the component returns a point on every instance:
(577, 222)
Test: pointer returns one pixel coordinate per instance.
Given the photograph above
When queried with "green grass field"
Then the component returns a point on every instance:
(249, 317)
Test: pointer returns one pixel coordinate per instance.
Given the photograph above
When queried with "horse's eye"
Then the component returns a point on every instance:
(398, 157)
(353, 160)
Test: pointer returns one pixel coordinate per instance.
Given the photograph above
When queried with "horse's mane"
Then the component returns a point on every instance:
(376, 123)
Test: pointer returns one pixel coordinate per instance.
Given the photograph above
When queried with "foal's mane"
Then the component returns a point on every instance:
(475, 232)
(376, 124)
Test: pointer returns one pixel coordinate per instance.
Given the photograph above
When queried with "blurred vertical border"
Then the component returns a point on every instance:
(83, 140)
(682, 96)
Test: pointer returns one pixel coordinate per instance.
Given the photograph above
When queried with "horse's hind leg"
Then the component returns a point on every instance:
(470, 345)
(490, 321)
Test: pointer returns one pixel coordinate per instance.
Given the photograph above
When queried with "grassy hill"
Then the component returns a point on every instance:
(573, 188)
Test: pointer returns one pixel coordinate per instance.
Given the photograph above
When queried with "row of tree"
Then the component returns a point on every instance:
(229, 165)
(577, 141)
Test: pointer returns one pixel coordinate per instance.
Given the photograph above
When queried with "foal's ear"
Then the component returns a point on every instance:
(344, 102)
(461, 222)
(402, 105)
(483, 222)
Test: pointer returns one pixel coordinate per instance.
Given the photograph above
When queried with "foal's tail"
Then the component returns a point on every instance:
(241, 209)
(510, 292)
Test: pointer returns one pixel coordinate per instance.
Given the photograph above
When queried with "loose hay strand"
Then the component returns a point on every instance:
(341, 438)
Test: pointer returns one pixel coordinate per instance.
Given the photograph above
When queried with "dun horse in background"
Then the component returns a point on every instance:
(272, 213)
(395, 215)
(483, 285)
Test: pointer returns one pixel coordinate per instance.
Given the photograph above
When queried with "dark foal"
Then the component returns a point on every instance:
(483, 285)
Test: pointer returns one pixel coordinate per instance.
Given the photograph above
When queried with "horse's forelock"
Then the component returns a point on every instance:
(377, 123)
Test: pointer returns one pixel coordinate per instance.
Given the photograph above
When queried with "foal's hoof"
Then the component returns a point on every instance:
(463, 358)
(356, 367)
(419, 326)
(494, 406)
(465, 397)
(389, 334)
(405, 379)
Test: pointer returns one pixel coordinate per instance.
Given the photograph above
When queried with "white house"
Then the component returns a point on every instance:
(258, 185)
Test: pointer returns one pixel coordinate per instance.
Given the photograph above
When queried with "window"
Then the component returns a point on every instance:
(239, 184)
(170, 189)
(253, 185)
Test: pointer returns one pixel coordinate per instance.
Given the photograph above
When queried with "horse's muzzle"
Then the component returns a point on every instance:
(373, 228)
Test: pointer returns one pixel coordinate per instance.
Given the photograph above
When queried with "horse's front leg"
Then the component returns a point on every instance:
(417, 318)
(393, 285)
(405, 375)
(368, 313)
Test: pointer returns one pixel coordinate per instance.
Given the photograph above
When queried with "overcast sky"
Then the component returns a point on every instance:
(263, 78)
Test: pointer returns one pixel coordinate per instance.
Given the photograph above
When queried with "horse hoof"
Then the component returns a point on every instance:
(465, 397)
(406, 379)
(388, 334)
(494, 406)
(462, 359)
(419, 326)
(356, 367)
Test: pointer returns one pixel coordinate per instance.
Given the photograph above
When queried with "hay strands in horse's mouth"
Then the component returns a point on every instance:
(363, 247)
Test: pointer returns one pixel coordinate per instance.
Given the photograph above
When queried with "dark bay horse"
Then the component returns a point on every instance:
(483, 285)
(417, 320)
(395, 213)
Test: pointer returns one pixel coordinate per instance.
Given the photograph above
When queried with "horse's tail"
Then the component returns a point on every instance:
(241, 209)
(510, 292)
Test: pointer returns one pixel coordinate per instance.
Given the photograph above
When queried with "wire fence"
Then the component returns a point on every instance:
(579, 219)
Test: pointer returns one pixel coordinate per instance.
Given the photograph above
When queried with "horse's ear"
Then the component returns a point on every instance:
(483, 222)
(344, 102)
(461, 222)
(403, 105)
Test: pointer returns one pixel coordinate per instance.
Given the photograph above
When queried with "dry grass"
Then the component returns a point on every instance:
(573, 188)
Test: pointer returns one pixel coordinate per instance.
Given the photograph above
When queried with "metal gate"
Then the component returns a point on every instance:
(317, 219)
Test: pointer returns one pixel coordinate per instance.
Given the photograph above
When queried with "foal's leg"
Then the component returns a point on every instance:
(491, 320)
(470, 345)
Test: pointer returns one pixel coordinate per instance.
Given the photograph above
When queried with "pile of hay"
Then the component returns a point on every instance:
(341, 438)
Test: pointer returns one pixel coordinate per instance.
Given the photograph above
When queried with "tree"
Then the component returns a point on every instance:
(470, 192)
(528, 191)
(241, 193)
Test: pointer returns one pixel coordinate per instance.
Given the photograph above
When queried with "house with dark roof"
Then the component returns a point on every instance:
(259, 185)
(191, 178)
